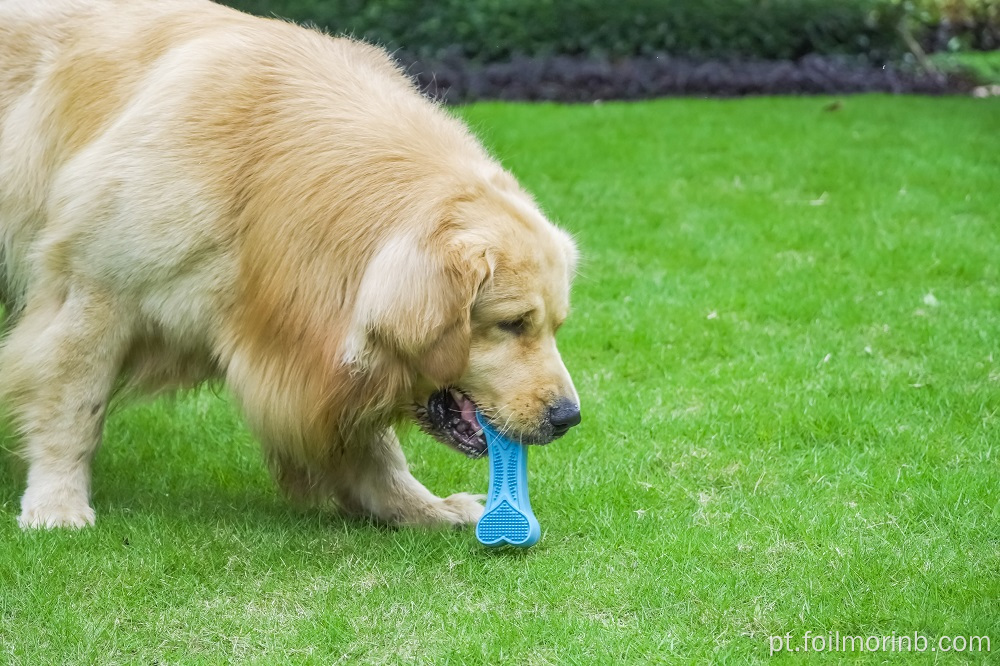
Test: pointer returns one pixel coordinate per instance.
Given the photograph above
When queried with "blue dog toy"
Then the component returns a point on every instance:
(508, 518)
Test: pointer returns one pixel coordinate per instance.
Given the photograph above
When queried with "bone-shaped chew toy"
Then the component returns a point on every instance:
(508, 518)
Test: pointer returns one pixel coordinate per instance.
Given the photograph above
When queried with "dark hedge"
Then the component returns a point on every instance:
(584, 50)
(568, 79)
(498, 30)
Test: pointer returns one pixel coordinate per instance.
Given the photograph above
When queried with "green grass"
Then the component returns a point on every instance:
(786, 336)
(983, 67)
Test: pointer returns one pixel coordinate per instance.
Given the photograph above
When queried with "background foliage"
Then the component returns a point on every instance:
(950, 25)
(495, 30)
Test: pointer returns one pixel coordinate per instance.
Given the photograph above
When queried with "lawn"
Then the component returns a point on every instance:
(983, 67)
(786, 338)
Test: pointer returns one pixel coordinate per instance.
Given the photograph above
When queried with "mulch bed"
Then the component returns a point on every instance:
(568, 79)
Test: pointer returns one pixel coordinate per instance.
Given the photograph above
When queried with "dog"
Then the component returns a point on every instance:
(189, 193)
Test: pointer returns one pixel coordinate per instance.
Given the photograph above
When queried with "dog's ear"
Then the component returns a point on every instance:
(415, 302)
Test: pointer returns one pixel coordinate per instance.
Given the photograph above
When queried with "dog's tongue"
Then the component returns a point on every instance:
(468, 411)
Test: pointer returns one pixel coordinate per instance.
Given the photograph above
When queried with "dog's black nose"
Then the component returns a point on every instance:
(564, 415)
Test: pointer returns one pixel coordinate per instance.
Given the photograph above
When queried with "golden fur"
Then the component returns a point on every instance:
(188, 192)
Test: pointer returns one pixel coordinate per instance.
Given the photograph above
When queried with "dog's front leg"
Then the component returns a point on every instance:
(57, 370)
(374, 480)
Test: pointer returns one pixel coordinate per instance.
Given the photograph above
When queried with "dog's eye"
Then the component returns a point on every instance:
(517, 326)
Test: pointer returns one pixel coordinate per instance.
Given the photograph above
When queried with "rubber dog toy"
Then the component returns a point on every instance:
(508, 518)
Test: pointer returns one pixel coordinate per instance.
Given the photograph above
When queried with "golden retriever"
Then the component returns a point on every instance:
(188, 192)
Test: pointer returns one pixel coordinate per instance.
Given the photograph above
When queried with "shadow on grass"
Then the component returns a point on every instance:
(139, 501)
(186, 496)
(131, 485)
(156, 473)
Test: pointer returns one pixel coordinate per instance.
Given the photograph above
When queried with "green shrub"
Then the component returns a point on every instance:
(981, 67)
(492, 30)
(953, 25)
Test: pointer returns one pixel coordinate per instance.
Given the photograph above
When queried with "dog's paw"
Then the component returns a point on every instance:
(463, 509)
(50, 516)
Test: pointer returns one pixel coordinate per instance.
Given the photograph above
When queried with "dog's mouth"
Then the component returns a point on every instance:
(450, 417)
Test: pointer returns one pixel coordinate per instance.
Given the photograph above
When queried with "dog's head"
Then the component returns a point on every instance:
(470, 303)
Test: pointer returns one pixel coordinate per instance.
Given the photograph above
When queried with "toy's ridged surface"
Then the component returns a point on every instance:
(505, 524)
(508, 518)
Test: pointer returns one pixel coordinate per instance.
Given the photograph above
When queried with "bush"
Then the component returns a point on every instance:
(981, 68)
(497, 30)
(953, 25)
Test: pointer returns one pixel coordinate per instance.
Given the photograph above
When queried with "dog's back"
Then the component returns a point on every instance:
(29, 36)
(97, 96)
(67, 70)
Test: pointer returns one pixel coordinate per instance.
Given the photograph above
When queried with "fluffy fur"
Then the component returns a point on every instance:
(188, 193)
